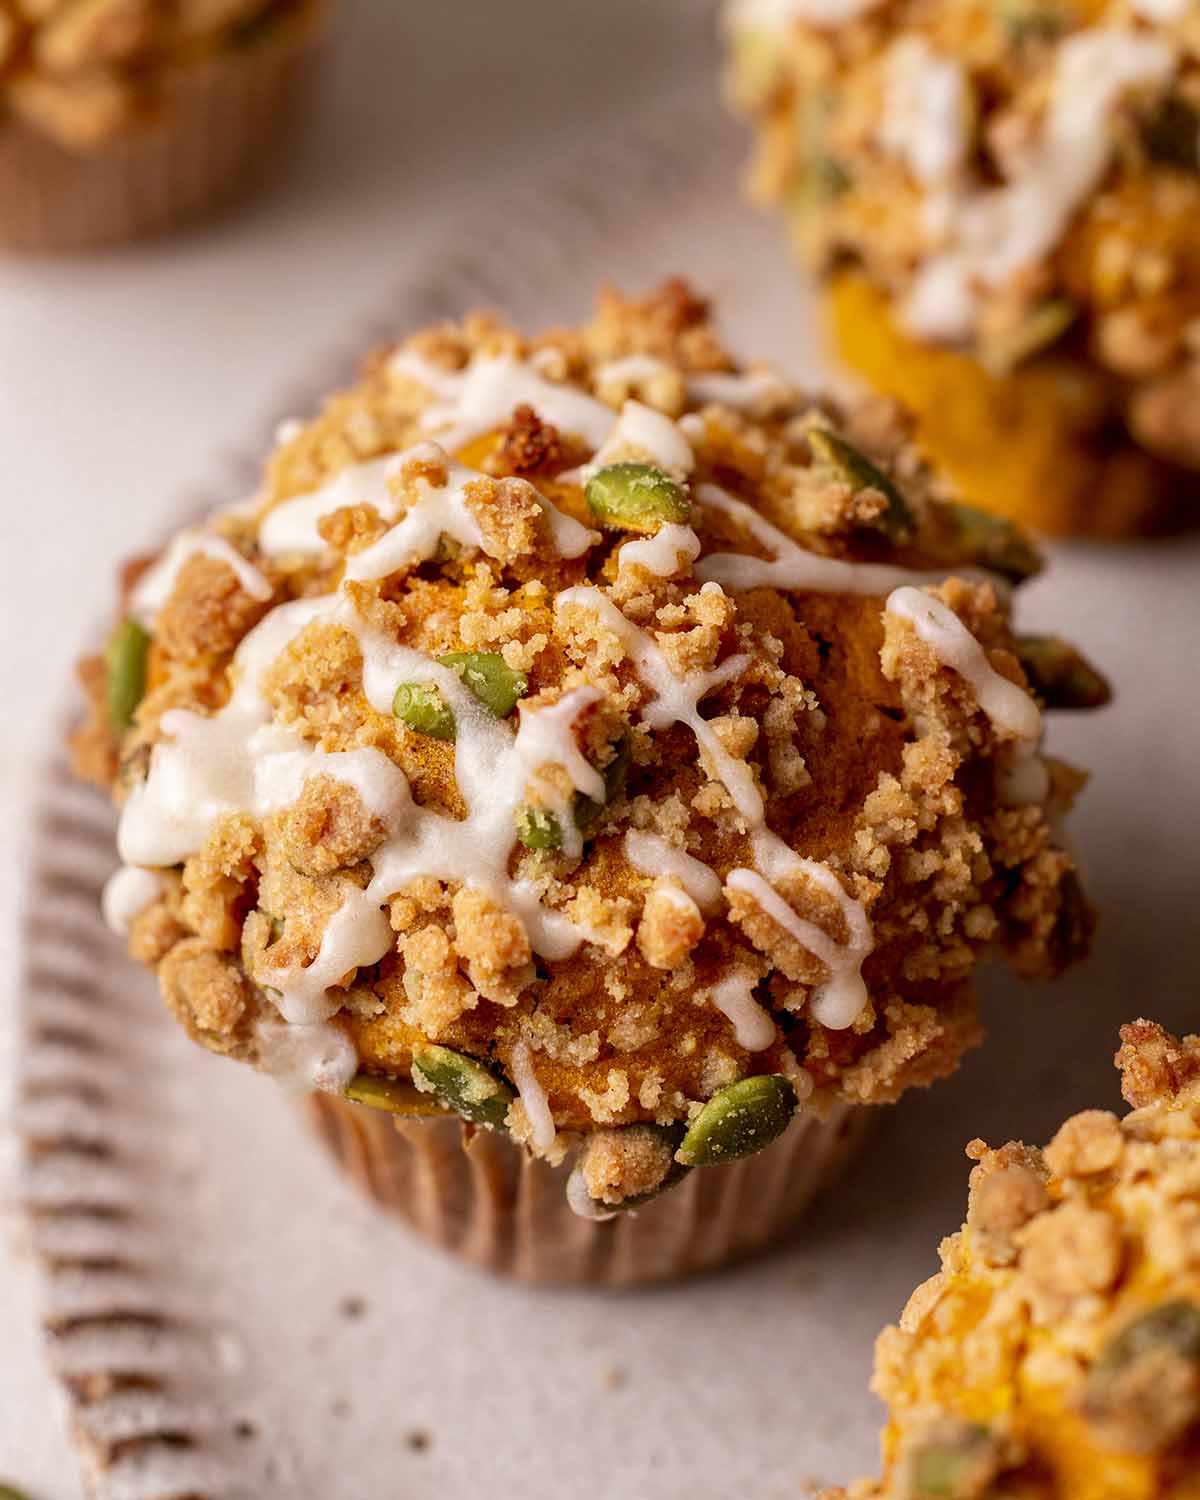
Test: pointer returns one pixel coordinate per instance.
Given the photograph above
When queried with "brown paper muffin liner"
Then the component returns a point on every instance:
(478, 1194)
(218, 124)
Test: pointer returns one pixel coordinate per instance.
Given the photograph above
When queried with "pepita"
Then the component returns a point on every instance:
(464, 1085)
(636, 497)
(739, 1120)
(993, 542)
(490, 679)
(125, 673)
(424, 710)
(1059, 674)
(856, 470)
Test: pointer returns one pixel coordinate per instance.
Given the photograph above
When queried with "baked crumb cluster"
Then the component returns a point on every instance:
(82, 71)
(588, 736)
(1001, 196)
(1056, 1355)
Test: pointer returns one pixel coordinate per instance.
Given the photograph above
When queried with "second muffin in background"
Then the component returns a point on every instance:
(1000, 197)
(588, 739)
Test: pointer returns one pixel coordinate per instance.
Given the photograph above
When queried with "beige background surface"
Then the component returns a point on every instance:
(124, 378)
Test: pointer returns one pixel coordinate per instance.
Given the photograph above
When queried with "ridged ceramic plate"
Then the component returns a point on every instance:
(230, 1319)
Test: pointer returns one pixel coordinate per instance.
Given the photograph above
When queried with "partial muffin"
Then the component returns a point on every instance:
(1000, 197)
(598, 742)
(1056, 1355)
(123, 118)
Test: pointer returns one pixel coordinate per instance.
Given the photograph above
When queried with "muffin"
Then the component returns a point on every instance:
(600, 744)
(124, 118)
(1000, 199)
(1056, 1355)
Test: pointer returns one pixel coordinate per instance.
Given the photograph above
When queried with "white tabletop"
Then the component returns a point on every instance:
(124, 376)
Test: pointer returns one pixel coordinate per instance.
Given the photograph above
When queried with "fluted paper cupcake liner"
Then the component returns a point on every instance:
(219, 123)
(479, 1195)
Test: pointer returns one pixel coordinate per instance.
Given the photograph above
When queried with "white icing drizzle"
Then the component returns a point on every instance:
(1161, 12)
(644, 432)
(302, 1058)
(128, 892)
(792, 567)
(926, 111)
(734, 997)
(291, 527)
(581, 1202)
(989, 234)
(157, 583)
(773, 15)
(237, 760)
(671, 549)
(484, 395)
(632, 369)
(841, 998)
(651, 854)
(675, 700)
(533, 1097)
(545, 737)
(1010, 708)
(756, 392)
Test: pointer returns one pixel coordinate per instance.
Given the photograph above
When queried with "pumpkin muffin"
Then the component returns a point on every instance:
(1056, 1355)
(605, 745)
(123, 118)
(1000, 199)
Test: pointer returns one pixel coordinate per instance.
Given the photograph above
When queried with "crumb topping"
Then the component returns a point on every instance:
(678, 756)
(1056, 1355)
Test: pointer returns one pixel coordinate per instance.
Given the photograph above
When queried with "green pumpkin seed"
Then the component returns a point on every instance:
(1045, 325)
(1059, 674)
(538, 829)
(960, 1465)
(1171, 135)
(394, 1095)
(739, 1120)
(1072, 936)
(125, 673)
(490, 679)
(820, 177)
(856, 470)
(1155, 1353)
(636, 497)
(993, 542)
(464, 1085)
(585, 809)
(1171, 1325)
(423, 709)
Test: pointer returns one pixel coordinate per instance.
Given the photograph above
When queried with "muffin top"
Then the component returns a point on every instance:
(1056, 1355)
(1015, 174)
(82, 71)
(582, 727)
